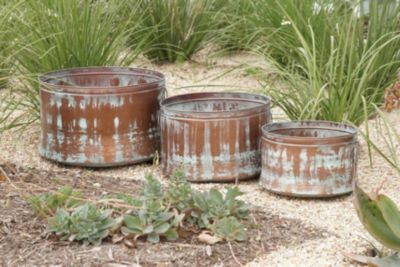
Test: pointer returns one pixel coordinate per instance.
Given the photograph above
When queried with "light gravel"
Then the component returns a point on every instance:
(336, 217)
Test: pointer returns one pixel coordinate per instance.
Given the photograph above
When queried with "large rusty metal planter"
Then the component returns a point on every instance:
(100, 116)
(213, 136)
(308, 158)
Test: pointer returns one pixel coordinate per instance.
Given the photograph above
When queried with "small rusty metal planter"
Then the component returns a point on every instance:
(308, 158)
(100, 116)
(213, 136)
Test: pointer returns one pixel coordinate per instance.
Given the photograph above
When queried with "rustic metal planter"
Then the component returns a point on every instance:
(308, 158)
(213, 136)
(100, 116)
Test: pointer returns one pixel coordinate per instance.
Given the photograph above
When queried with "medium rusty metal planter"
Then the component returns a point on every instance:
(100, 116)
(308, 158)
(213, 136)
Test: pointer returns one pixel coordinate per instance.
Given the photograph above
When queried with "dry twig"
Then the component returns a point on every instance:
(233, 254)
(8, 178)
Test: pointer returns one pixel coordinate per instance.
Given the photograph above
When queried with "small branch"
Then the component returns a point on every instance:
(8, 178)
(233, 254)
(376, 192)
(381, 186)
(254, 218)
(175, 244)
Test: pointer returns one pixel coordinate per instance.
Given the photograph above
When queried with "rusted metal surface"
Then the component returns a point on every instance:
(213, 136)
(308, 158)
(101, 116)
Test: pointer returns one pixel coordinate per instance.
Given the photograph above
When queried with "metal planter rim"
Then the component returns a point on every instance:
(348, 133)
(167, 105)
(106, 70)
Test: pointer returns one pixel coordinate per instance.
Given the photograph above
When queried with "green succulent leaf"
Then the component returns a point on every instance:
(125, 230)
(371, 216)
(232, 194)
(86, 223)
(60, 222)
(157, 213)
(133, 223)
(162, 229)
(179, 193)
(230, 229)
(153, 237)
(390, 212)
(148, 230)
(171, 235)
(216, 196)
(200, 201)
(164, 216)
(212, 206)
(152, 188)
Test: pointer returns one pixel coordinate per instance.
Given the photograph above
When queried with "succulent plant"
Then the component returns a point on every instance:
(212, 206)
(162, 224)
(86, 223)
(47, 204)
(154, 213)
(154, 218)
(179, 193)
(381, 217)
(230, 229)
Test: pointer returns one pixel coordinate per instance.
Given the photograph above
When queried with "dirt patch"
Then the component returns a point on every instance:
(24, 240)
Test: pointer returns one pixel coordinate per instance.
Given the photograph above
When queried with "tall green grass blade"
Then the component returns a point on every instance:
(329, 60)
(56, 34)
(178, 28)
(390, 137)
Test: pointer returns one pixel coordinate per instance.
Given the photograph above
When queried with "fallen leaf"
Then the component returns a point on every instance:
(129, 243)
(207, 238)
(116, 238)
(26, 235)
(389, 261)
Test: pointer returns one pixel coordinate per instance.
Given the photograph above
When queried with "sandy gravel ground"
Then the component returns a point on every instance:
(336, 217)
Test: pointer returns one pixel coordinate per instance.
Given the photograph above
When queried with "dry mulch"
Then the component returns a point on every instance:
(24, 240)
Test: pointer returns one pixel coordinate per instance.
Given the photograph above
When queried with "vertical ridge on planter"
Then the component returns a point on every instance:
(213, 136)
(100, 116)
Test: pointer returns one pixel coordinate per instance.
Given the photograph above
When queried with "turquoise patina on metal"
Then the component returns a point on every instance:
(101, 116)
(309, 158)
(213, 136)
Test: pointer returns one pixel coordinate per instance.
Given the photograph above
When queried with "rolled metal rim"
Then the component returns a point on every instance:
(167, 105)
(344, 133)
(44, 80)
